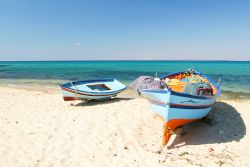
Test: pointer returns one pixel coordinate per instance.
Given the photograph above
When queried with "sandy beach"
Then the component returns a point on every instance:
(39, 129)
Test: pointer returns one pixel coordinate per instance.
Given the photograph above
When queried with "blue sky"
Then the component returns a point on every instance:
(124, 29)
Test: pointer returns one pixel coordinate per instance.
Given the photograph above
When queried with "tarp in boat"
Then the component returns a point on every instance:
(147, 82)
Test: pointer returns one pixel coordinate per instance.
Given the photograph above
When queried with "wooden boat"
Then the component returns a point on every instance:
(177, 106)
(91, 89)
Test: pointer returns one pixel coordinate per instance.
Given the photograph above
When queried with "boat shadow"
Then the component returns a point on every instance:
(102, 101)
(223, 124)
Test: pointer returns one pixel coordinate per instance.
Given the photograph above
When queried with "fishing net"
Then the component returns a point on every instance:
(195, 79)
(147, 82)
(198, 88)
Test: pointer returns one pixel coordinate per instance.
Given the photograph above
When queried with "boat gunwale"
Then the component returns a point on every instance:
(93, 93)
(66, 87)
(88, 81)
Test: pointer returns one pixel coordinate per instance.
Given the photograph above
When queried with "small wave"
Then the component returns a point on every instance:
(1, 65)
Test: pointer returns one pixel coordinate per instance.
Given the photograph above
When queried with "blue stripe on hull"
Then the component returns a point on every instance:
(91, 93)
(182, 106)
(176, 99)
(80, 96)
(188, 107)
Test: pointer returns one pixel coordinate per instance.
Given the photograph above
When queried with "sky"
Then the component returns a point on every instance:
(124, 30)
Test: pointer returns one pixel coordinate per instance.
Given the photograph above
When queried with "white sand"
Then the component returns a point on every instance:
(39, 129)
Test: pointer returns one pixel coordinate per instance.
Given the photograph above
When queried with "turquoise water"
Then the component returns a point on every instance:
(235, 76)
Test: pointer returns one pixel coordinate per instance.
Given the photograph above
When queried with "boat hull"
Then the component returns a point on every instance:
(177, 109)
(69, 95)
(91, 89)
(176, 106)
(181, 101)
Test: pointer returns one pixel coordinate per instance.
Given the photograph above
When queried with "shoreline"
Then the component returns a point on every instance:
(225, 95)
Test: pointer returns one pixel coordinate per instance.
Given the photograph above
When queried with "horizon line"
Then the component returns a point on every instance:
(122, 60)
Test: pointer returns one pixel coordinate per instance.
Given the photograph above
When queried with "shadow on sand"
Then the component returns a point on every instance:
(103, 101)
(223, 124)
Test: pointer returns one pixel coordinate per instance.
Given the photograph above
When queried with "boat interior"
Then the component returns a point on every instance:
(190, 83)
(98, 87)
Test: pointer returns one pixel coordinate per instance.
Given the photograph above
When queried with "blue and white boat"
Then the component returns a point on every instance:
(91, 89)
(183, 100)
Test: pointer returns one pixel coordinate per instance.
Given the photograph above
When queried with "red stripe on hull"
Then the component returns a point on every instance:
(70, 98)
(87, 94)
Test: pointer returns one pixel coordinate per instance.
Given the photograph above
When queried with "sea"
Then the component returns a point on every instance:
(233, 76)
